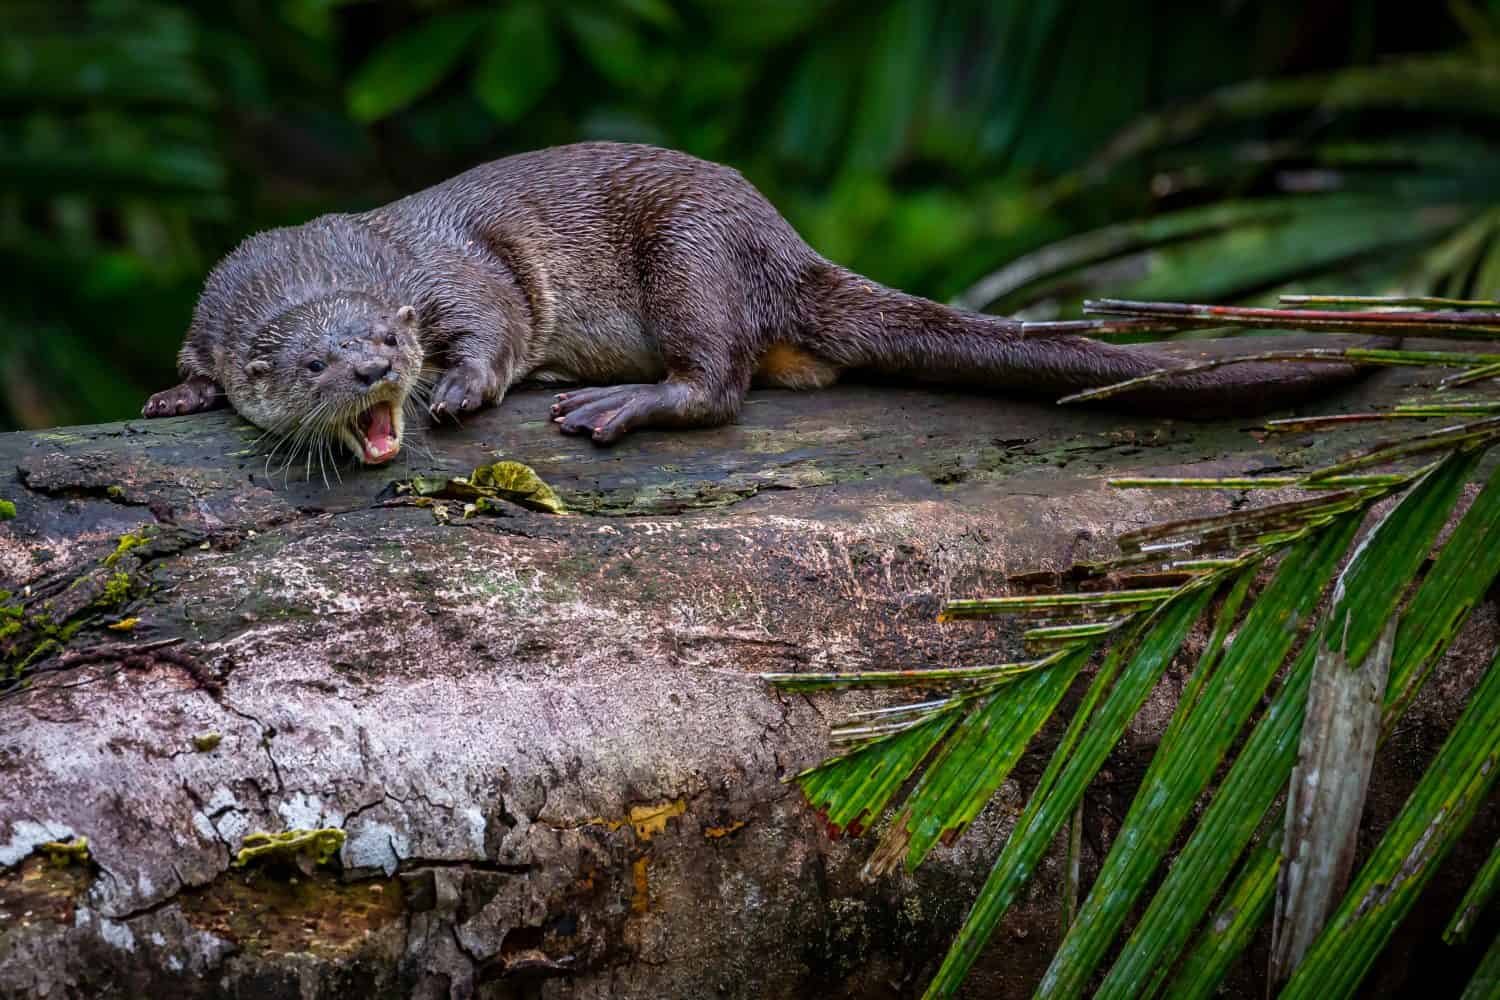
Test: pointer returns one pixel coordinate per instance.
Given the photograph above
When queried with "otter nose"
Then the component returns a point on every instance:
(371, 370)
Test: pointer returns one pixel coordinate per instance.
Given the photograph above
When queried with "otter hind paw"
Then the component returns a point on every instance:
(195, 395)
(607, 413)
(462, 389)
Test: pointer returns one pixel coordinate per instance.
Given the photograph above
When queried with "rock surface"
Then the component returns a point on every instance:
(543, 736)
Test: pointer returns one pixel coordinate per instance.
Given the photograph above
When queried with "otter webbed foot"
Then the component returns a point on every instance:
(463, 389)
(197, 394)
(607, 413)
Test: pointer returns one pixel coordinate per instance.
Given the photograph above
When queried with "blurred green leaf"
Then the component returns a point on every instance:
(1445, 84)
(615, 48)
(166, 170)
(411, 64)
(656, 12)
(761, 25)
(814, 109)
(892, 86)
(519, 63)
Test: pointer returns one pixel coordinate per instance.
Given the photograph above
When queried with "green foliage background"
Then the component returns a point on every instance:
(923, 143)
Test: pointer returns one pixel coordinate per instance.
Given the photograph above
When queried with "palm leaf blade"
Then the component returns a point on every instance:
(853, 789)
(1327, 795)
(1074, 764)
(1229, 930)
(1475, 900)
(1366, 594)
(1456, 582)
(1429, 623)
(1175, 780)
(975, 759)
(1485, 984)
(1435, 814)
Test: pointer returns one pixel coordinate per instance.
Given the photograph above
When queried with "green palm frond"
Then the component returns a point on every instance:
(1439, 809)
(1322, 643)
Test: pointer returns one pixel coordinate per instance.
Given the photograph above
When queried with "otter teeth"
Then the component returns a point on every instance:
(378, 430)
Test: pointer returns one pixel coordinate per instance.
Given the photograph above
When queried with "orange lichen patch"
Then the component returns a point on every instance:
(317, 914)
(715, 832)
(651, 820)
(38, 889)
(645, 820)
(640, 900)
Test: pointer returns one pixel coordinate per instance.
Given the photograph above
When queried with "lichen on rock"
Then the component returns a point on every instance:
(305, 849)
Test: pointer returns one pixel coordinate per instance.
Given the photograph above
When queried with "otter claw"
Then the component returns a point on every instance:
(462, 391)
(197, 394)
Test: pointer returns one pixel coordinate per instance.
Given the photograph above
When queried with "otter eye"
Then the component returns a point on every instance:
(315, 366)
(390, 340)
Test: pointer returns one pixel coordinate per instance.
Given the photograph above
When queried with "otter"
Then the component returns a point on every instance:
(665, 284)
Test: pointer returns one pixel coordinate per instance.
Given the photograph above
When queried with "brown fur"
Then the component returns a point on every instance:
(667, 282)
(787, 366)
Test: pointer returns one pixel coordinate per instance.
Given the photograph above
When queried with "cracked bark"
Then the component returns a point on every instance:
(490, 708)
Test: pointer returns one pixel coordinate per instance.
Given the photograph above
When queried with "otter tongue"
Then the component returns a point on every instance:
(380, 435)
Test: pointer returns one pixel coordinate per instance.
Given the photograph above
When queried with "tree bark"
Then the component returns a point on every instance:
(543, 736)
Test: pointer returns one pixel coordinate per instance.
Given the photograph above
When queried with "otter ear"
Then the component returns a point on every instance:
(257, 367)
(406, 315)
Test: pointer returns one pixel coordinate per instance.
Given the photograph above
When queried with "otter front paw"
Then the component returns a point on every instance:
(463, 389)
(197, 394)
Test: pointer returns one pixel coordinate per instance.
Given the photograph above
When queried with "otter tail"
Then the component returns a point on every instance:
(855, 323)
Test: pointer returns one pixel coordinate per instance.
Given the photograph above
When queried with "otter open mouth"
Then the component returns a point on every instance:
(379, 433)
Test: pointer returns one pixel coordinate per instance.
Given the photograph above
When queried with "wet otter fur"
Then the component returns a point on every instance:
(664, 283)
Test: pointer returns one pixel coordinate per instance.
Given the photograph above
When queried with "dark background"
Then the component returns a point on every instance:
(1223, 150)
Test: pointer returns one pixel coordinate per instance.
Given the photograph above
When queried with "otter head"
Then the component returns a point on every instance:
(335, 368)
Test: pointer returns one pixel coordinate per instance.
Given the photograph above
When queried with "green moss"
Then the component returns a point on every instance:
(116, 590)
(7, 510)
(41, 650)
(63, 853)
(127, 542)
(303, 848)
(44, 631)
